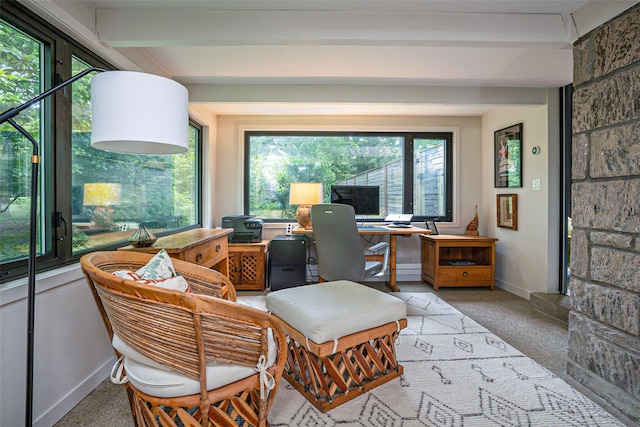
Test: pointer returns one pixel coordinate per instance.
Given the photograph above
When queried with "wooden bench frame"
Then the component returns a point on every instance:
(360, 362)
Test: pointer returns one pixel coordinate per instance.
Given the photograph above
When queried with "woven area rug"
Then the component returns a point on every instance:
(456, 373)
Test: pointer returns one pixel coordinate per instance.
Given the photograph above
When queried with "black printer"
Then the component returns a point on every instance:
(246, 228)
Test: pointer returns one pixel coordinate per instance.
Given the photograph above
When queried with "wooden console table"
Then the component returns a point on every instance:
(458, 260)
(207, 247)
(248, 265)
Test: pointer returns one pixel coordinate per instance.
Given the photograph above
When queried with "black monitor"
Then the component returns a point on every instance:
(365, 199)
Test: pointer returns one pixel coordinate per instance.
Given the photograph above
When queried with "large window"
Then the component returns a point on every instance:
(88, 199)
(412, 170)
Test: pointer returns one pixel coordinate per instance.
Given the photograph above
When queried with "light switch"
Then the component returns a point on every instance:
(536, 185)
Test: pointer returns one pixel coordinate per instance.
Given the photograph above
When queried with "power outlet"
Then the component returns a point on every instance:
(289, 229)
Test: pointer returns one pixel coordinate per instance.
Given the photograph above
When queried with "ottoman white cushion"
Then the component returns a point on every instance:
(331, 310)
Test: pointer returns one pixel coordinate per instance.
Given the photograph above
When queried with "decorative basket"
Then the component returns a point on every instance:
(142, 237)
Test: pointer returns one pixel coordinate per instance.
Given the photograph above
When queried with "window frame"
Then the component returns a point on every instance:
(55, 178)
(408, 178)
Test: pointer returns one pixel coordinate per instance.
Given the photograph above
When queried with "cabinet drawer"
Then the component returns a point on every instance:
(465, 275)
(208, 254)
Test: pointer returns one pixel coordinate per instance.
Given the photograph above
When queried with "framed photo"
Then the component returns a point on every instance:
(431, 226)
(508, 157)
(507, 208)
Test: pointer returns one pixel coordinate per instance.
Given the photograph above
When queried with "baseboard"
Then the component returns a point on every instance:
(513, 289)
(404, 273)
(69, 401)
(409, 272)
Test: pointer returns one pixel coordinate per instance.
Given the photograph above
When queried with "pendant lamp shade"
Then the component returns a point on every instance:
(139, 113)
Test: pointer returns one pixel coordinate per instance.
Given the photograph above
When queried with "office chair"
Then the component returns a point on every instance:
(341, 255)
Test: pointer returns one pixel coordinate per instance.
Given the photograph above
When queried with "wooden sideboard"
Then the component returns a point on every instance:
(207, 247)
(458, 260)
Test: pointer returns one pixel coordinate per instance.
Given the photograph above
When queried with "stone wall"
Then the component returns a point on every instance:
(604, 324)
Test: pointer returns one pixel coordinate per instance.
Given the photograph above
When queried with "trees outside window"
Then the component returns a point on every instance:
(100, 196)
(413, 171)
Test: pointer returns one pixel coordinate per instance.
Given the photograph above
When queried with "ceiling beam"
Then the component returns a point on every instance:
(469, 96)
(153, 28)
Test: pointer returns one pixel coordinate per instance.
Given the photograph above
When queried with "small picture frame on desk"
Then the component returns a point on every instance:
(431, 226)
(507, 210)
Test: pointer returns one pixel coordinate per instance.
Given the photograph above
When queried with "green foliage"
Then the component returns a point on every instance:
(513, 147)
(328, 159)
(158, 189)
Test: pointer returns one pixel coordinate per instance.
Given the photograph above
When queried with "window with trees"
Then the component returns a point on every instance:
(88, 198)
(413, 170)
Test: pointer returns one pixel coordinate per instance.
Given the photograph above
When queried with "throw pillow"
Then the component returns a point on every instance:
(159, 272)
(158, 267)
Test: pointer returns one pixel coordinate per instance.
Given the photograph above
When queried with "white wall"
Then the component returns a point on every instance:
(72, 350)
(524, 256)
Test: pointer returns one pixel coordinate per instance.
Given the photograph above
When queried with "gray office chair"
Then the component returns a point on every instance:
(341, 255)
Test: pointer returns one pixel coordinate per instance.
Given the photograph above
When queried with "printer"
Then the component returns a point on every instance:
(246, 228)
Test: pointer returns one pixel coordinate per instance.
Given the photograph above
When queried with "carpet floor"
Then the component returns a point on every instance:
(456, 373)
(509, 317)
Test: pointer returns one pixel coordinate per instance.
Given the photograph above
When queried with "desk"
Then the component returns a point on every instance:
(203, 246)
(393, 233)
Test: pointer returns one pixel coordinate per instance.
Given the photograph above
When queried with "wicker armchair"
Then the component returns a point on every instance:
(189, 334)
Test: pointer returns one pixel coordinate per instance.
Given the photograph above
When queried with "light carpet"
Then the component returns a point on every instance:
(457, 374)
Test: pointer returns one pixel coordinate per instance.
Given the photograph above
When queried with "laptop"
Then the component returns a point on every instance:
(399, 219)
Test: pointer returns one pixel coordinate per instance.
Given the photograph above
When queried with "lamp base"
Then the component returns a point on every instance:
(303, 216)
(103, 216)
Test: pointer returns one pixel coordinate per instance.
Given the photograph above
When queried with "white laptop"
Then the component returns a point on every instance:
(399, 218)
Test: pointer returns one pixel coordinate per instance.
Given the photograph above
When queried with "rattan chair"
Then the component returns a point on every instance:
(189, 333)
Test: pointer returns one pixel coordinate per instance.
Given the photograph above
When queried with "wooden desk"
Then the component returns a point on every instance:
(203, 246)
(393, 233)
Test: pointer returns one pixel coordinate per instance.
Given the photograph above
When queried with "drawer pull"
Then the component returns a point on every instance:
(465, 274)
(218, 247)
(199, 257)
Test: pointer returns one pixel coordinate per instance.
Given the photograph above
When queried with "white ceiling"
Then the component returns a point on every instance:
(404, 57)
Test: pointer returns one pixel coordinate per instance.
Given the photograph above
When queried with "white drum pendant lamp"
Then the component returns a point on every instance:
(139, 113)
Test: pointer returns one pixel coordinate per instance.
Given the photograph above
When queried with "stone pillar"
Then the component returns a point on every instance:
(604, 324)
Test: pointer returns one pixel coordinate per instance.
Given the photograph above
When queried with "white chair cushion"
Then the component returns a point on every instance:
(158, 380)
(258, 302)
(331, 310)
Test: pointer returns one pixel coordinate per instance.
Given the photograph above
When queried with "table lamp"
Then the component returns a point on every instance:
(305, 194)
(102, 195)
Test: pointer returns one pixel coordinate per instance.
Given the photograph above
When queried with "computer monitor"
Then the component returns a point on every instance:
(365, 199)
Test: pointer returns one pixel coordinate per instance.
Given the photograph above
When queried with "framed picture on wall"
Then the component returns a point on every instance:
(508, 157)
(507, 209)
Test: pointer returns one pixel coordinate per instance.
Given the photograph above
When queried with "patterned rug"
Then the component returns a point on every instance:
(456, 374)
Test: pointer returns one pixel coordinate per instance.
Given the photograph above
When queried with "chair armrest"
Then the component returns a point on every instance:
(379, 246)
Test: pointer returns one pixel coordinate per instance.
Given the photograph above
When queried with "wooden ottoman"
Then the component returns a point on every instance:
(341, 339)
